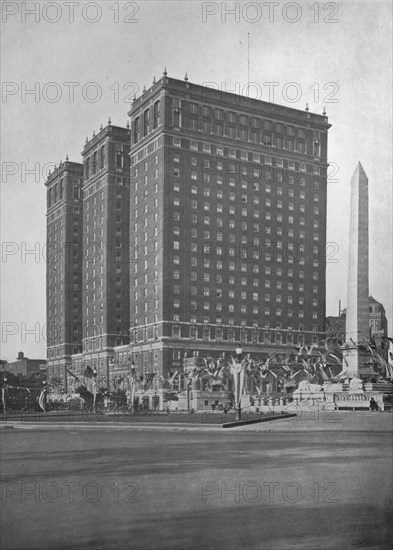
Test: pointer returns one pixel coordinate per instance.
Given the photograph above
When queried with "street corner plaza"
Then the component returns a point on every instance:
(114, 487)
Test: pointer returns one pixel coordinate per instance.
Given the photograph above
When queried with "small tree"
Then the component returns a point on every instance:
(88, 396)
(170, 395)
(120, 397)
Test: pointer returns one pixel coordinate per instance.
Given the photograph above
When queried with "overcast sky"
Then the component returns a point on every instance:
(339, 58)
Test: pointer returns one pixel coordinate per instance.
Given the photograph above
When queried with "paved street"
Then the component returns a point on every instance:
(74, 487)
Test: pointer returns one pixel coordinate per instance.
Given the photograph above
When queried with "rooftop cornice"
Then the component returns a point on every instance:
(229, 100)
(109, 130)
(64, 167)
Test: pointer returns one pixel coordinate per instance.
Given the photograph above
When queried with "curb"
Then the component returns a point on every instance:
(257, 421)
(117, 425)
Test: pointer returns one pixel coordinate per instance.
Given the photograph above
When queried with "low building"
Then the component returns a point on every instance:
(24, 367)
(377, 318)
(335, 325)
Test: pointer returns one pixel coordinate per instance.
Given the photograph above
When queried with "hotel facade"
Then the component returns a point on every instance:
(222, 229)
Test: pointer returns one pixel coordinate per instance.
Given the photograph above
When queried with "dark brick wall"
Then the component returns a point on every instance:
(267, 153)
(106, 238)
(64, 260)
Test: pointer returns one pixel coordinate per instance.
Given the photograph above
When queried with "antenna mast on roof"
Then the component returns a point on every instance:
(248, 65)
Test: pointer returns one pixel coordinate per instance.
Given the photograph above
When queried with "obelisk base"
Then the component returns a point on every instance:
(357, 363)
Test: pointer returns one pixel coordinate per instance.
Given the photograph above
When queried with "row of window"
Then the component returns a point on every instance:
(252, 159)
(244, 212)
(96, 161)
(248, 156)
(254, 256)
(100, 320)
(244, 239)
(232, 181)
(247, 134)
(59, 212)
(233, 266)
(244, 269)
(247, 333)
(145, 307)
(246, 181)
(207, 291)
(56, 192)
(238, 249)
(232, 294)
(243, 281)
(145, 151)
(233, 224)
(265, 336)
(142, 125)
(231, 308)
(207, 192)
(245, 120)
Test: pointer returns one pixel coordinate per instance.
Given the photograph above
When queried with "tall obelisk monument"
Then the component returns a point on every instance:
(357, 318)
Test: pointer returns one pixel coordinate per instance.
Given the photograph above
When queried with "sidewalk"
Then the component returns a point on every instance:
(334, 421)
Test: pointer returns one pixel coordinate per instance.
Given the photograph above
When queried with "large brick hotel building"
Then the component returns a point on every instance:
(227, 230)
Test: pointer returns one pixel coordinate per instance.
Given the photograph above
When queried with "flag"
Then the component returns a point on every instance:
(390, 352)
(88, 372)
(42, 399)
(3, 397)
(390, 358)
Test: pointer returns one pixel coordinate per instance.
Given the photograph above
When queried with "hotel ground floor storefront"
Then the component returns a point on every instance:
(160, 360)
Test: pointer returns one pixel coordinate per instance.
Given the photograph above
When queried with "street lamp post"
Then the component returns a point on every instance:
(189, 387)
(132, 384)
(94, 388)
(155, 398)
(238, 385)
